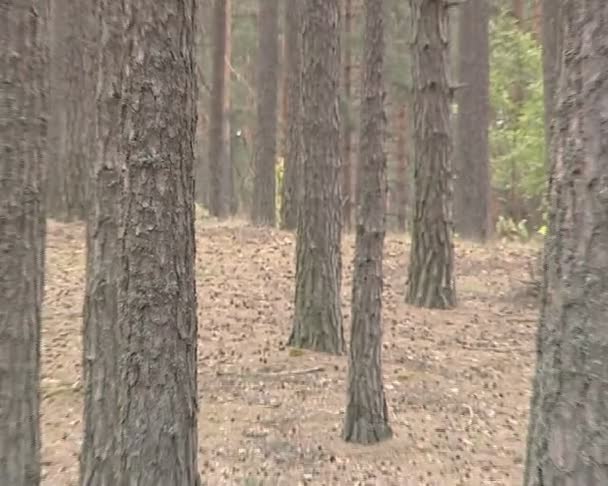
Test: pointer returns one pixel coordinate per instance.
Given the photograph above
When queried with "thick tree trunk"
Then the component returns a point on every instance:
(472, 157)
(292, 179)
(402, 163)
(23, 131)
(220, 185)
(347, 129)
(318, 319)
(366, 418)
(431, 271)
(147, 103)
(552, 49)
(568, 438)
(263, 210)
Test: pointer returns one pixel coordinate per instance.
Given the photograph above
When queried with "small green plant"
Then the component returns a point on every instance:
(507, 228)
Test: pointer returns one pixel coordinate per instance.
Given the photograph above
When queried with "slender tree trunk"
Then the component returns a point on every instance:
(219, 135)
(519, 10)
(366, 418)
(318, 319)
(402, 163)
(23, 132)
(552, 49)
(431, 270)
(347, 129)
(148, 120)
(568, 437)
(101, 340)
(263, 211)
(292, 179)
(472, 160)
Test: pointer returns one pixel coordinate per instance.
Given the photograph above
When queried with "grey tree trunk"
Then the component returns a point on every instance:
(292, 178)
(263, 210)
(147, 125)
(317, 321)
(552, 48)
(221, 175)
(366, 418)
(431, 270)
(347, 129)
(23, 132)
(402, 167)
(472, 157)
(568, 437)
(101, 339)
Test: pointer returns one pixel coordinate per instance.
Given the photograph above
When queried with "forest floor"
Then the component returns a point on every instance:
(457, 382)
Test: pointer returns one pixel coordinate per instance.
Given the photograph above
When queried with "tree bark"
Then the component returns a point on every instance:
(318, 319)
(23, 132)
(552, 49)
(431, 270)
(292, 180)
(347, 197)
(402, 164)
(366, 418)
(568, 438)
(472, 160)
(263, 211)
(145, 212)
(220, 162)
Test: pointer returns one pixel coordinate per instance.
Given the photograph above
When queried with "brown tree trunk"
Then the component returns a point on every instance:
(292, 178)
(263, 210)
(100, 334)
(472, 157)
(568, 438)
(366, 418)
(347, 128)
(23, 129)
(552, 49)
(146, 220)
(318, 318)
(519, 10)
(431, 270)
(402, 163)
(220, 163)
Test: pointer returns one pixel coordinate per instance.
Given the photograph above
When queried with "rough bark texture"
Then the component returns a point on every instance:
(431, 271)
(568, 437)
(318, 319)
(402, 164)
(292, 179)
(100, 333)
(366, 418)
(263, 210)
(147, 102)
(347, 197)
(472, 157)
(23, 129)
(552, 48)
(220, 184)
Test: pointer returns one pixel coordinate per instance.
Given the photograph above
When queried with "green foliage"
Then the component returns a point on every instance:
(508, 229)
(517, 130)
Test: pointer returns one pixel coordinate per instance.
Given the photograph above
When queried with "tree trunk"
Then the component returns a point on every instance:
(519, 8)
(292, 180)
(100, 334)
(552, 49)
(568, 439)
(366, 418)
(472, 160)
(23, 129)
(347, 129)
(80, 104)
(431, 271)
(220, 165)
(402, 180)
(147, 138)
(318, 319)
(263, 210)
